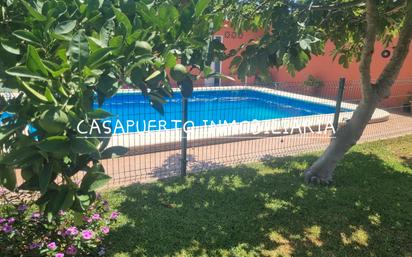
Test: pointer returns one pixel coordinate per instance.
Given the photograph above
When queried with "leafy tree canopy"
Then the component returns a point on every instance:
(295, 30)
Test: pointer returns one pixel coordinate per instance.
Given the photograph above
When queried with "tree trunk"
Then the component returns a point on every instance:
(347, 136)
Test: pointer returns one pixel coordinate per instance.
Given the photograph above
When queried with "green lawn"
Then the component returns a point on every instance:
(264, 209)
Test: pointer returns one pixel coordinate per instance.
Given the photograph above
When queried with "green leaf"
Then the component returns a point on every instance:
(34, 62)
(305, 44)
(7, 177)
(27, 36)
(236, 61)
(122, 18)
(65, 27)
(10, 47)
(95, 43)
(82, 146)
(68, 200)
(170, 60)
(98, 57)
(33, 93)
(54, 68)
(17, 156)
(54, 144)
(94, 180)
(157, 103)
(23, 72)
(44, 178)
(107, 85)
(82, 202)
(166, 14)
(113, 152)
(33, 12)
(62, 200)
(153, 75)
(135, 36)
(79, 49)
(200, 7)
(61, 37)
(49, 95)
(106, 32)
(99, 114)
(93, 7)
(6, 133)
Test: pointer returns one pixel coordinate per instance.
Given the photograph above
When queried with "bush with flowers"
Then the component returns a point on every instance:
(24, 231)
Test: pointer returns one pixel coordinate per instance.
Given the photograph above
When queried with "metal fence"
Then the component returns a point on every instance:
(238, 123)
(275, 110)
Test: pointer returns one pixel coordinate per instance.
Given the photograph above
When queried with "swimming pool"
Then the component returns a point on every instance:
(207, 107)
(270, 110)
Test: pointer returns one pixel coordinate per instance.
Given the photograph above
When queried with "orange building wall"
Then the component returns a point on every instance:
(324, 68)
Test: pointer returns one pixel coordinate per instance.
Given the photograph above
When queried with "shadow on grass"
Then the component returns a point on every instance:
(407, 161)
(172, 166)
(265, 210)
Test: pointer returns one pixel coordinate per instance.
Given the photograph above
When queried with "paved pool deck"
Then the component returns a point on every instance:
(148, 167)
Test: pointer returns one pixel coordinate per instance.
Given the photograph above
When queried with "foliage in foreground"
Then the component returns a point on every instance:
(265, 210)
(63, 59)
(24, 231)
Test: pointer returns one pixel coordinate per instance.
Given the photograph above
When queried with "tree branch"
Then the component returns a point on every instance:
(367, 52)
(355, 3)
(392, 69)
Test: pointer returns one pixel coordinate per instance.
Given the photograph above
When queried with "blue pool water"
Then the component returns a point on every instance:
(206, 107)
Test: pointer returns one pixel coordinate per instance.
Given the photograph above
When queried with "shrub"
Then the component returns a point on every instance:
(25, 231)
(63, 59)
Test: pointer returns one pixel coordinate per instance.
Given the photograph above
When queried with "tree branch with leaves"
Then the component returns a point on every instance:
(295, 34)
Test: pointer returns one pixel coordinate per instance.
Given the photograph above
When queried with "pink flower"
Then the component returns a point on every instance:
(52, 246)
(87, 219)
(7, 228)
(33, 246)
(2, 220)
(11, 220)
(72, 231)
(96, 216)
(71, 250)
(114, 215)
(87, 234)
(105, 230)
(22, 208)
(35, 215)
(59, 255)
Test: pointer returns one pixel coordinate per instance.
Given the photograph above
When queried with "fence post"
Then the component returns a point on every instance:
(183, 162)
(338, 103)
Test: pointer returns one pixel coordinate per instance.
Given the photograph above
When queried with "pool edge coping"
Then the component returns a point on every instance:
(150, 138)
